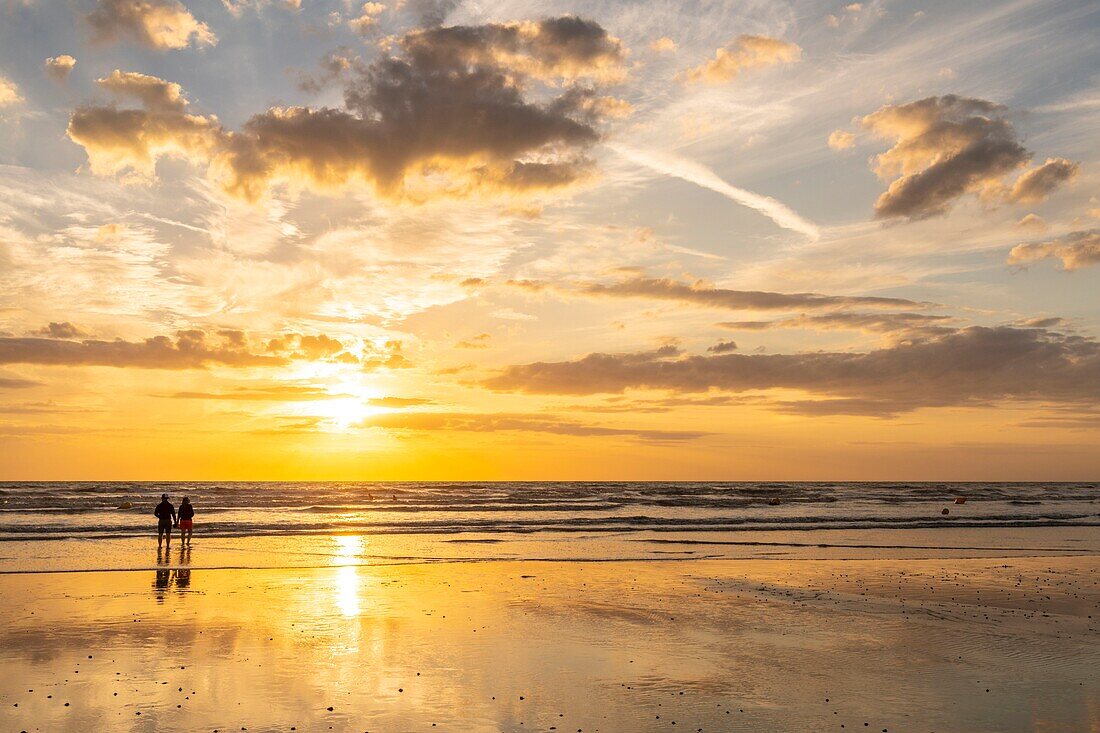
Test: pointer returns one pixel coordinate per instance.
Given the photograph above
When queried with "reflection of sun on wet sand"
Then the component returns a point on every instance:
(989, 644)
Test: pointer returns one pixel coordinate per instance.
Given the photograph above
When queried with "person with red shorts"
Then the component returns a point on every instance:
(187, 520)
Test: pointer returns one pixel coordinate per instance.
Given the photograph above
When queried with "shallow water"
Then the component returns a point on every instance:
(92, 509)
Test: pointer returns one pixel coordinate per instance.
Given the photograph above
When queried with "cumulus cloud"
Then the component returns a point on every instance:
(1033, 222)
(118, 140)
(723, 347)
(742, 54)
(451, 113)
(950, 146)
(153, 93)
(967, 366)
(9, 92)
(388, 356)
(367, 18)
(1036, 184)
(841, 140)
(59, 67)
(702, 294)
(511, 422)
(944, 147)
(158, 24)
(62, 330)
(310, 347)
(1075, 250)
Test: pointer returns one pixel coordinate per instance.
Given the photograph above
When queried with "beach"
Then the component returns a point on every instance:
(352, 632)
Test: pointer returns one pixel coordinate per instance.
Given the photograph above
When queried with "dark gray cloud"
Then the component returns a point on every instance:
(191, 349)
(1075, 250)
(870, 322)
(188, 349)
(946, 147)
(973, 365)
(62, 330)
(495, 108)
(722, 347)
(702, 294)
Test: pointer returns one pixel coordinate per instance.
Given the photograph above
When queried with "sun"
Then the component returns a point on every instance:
(343, 413)
(349, 401)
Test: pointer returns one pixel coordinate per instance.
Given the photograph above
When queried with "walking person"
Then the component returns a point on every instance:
(166, 516)
(187, 520)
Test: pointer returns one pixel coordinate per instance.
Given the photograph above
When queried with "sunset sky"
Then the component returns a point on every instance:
(417, 239)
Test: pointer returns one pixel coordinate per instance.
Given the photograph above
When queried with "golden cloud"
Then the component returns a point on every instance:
(1075, 250)
(158, 24)
(59, 67)
(742, 54)
(9, 92)
(950, 146)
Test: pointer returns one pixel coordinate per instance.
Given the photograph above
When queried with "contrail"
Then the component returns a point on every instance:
(700, 175)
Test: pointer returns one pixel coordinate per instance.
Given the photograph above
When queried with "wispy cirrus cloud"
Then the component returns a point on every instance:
(700, 175)
(742, 54)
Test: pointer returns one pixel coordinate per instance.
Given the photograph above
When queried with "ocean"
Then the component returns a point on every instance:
(49, 510)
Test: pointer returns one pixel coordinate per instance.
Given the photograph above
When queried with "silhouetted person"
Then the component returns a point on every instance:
(187, 520)
(166, 516)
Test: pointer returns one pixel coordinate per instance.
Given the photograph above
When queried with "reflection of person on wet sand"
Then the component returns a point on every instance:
(164, 575)
(183, 573)
(166, 516)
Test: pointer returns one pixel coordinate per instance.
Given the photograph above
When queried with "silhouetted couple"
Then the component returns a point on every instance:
(167, 519)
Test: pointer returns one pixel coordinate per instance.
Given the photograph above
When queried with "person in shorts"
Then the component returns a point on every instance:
(187, 519)
(166, 518)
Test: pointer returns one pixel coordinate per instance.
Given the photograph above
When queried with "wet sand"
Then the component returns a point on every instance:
(882, 644)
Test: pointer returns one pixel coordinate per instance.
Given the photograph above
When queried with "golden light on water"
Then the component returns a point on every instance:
(348, 585)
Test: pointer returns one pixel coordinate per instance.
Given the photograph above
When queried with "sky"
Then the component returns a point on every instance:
(444, 239)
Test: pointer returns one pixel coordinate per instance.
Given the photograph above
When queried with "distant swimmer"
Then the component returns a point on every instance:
(187, 520)
(166, 514)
